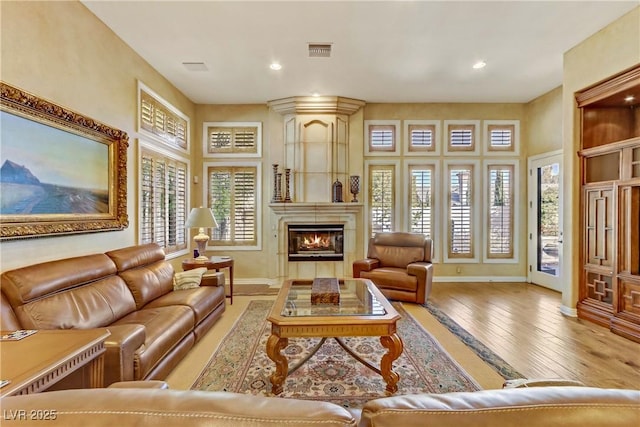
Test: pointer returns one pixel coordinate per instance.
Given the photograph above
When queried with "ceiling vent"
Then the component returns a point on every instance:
(319, 50)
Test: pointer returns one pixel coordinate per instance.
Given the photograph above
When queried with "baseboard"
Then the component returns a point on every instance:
(480, 279)
(568, 311)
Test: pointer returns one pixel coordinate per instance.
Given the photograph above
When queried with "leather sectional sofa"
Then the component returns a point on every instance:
(531, 407)
(128, 291)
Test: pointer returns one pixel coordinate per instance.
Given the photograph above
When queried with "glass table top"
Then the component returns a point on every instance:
(355, 299)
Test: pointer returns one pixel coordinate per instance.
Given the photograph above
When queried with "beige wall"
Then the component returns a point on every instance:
(61, 52)
(608, 52)
(544, 123)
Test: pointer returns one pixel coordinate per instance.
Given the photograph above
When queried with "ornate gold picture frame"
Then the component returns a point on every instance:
(60, 172)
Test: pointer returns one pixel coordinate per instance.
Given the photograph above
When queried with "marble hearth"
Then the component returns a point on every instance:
(347, 214)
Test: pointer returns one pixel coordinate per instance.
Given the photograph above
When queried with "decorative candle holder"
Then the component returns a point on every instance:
(287, 178)
(279, 186)
(336, 192)
(354, 187)
(275, 198)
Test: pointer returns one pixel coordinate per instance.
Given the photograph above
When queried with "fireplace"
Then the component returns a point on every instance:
(316, 242)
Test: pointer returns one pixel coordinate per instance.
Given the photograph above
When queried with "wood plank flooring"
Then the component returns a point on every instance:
(522, 323)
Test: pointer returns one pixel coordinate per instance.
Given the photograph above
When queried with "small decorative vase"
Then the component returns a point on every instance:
(354, 187)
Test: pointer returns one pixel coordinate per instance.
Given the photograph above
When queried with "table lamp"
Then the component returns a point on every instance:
(201, 218)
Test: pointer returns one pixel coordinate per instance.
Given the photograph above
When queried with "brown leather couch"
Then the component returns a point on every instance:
(130, 292)
(399, 264)
(531, 407)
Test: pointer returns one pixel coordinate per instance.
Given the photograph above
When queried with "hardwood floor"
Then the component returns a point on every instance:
(522, 323)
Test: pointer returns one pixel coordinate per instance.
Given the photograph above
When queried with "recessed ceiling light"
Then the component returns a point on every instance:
(275, 66)
(195, 66)
(315, 94)
(478, 65)
(629, 98)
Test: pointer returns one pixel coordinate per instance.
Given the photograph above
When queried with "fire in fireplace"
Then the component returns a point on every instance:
(316, 242)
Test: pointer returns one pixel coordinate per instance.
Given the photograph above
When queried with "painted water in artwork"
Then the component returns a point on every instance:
(46, 170)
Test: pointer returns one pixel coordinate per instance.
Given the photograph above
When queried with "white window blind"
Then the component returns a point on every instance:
(421, 191)
(501, 137)
(381, 198)
(238, 140)
(382, 137)
(461, 204)
(159, 120)
(461, 138)
(421, 137)
(232, 196)
(500, 226)
(163, 201)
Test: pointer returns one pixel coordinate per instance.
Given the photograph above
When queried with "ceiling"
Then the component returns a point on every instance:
(382, 51)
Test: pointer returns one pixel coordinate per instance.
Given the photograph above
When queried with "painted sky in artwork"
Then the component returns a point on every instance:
(52, 155)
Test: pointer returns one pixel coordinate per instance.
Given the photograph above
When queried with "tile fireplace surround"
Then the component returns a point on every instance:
(347, 214)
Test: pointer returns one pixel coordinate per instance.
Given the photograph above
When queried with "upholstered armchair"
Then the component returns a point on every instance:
(399, 264)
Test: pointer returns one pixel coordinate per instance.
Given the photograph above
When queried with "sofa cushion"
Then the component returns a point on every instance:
(188, 279)
(95, 305)
(392, 278)
(164, 328)
(202, 300)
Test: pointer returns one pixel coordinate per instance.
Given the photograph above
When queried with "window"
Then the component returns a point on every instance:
(422, 137)
(238, 139)
(381, 136)
(502, 136)
(421, 191)
(233, 196)
(163, 199)
(381, 198)
(462, 136)
(160, 120)
(501, 207)
(461, 210)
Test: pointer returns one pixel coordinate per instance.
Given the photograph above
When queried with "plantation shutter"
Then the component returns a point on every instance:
(236, 140)
(461, 137)
(381, 198)
(500, 242)
(382, 138)
(163, 201)
(162, 122)
(421, 138)
(501, 137)
(232, 194)
(460, 213)
(421, 191)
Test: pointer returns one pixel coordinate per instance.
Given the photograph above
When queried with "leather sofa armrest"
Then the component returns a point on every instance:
(366, 264)
(141, 384)
(121, 346)
(214, 278)
(424, 273)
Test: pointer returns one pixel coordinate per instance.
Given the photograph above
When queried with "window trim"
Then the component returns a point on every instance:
(476, 211)
(205, 140)
(367, 137)
(437, 138)
(436, 198)
(170, 108)
(516, 212)
(259, 206)
(152, 146)
(475, 148)
(515, 147)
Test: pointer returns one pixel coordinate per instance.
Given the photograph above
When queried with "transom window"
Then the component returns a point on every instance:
(161, 121)
(232, 138)
(422, 137)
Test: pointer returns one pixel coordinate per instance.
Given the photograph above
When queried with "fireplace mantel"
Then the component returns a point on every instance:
(315, 208)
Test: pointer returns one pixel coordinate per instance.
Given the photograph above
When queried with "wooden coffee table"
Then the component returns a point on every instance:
(363, 311)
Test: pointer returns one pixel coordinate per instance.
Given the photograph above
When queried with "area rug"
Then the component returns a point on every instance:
(507, 371)
(241, 364)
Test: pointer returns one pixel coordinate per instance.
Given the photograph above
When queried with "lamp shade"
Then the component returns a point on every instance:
(201, 218)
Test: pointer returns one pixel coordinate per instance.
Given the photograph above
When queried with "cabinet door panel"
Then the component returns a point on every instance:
(599, 220)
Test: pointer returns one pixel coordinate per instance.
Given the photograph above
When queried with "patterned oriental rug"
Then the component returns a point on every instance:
(241, 364)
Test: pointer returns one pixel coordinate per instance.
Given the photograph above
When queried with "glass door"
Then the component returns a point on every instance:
(545, 220)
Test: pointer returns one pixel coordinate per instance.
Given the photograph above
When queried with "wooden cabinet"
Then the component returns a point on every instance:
(610, 204)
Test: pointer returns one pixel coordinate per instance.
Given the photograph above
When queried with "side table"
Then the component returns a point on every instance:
(213, 263)
(39, 361)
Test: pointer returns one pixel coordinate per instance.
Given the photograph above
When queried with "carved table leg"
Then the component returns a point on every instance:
(394, 345)
(275, 345)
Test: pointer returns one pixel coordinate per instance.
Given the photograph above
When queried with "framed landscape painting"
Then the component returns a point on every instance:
(60, 172)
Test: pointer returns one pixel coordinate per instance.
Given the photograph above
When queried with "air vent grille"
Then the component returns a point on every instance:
(319, 50)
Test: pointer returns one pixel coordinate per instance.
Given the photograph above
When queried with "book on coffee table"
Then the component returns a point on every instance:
(17, 335)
